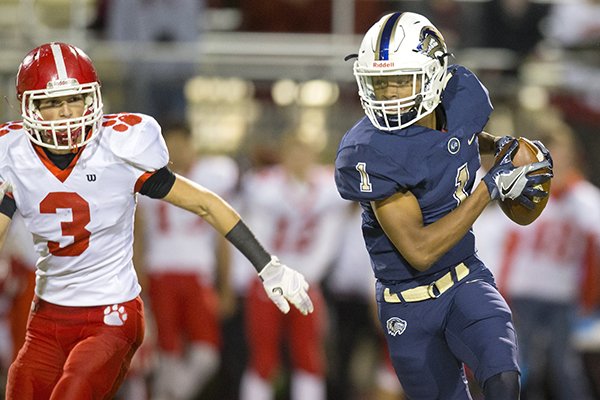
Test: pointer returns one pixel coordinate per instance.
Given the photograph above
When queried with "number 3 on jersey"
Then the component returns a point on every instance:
(80, 211)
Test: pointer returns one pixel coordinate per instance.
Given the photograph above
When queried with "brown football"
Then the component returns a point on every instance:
(527, 153)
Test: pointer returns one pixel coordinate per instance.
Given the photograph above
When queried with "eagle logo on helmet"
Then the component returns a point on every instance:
(431, 43)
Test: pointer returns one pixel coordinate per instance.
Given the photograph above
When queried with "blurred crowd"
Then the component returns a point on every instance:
(207, 338)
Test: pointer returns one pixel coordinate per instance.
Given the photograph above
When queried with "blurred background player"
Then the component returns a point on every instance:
(17, 266)
(356, 343)
(22, 257)
(297, 211)
(181, 259)
(549, 270)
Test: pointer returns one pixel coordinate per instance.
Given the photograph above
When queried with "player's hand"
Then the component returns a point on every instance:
(500, 143)
(505, 181)
(284, 284)
(5, 187)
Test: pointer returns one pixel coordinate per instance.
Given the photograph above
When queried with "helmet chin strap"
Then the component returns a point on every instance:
(411, 115)
(405, 117)
(413, 111)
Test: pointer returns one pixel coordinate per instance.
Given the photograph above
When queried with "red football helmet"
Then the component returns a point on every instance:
(55, 70)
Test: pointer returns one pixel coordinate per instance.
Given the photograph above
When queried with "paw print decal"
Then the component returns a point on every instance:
(10, 126)
(115, 315)
(121, 122)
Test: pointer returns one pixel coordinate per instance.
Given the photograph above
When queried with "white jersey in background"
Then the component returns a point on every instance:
(179, 241)
(299, 221)
(352, 273)
(81, 218)
(544, 260)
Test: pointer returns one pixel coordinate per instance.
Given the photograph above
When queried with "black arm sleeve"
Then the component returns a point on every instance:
(8, 206)
(159, 184)
(244, 240)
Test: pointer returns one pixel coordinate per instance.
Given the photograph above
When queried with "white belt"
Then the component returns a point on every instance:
(427, 292)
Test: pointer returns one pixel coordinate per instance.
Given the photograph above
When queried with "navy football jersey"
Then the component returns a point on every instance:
(437, 167)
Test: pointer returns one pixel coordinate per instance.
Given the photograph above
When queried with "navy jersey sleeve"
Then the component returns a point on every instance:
(466, 101)
(364, 174)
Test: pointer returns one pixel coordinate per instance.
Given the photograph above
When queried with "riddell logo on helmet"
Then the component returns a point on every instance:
(61, 83)
(383, 64)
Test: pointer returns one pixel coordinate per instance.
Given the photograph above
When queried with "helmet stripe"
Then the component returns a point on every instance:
(385, 35)
(59, 62)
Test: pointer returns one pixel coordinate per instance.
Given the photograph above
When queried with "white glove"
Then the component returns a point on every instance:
(284, 284)
(4, 188)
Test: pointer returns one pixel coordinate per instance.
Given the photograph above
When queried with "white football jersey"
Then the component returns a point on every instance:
(81, 218)
(177, 240)
(545, 260)
(352, 274)
(300, 222)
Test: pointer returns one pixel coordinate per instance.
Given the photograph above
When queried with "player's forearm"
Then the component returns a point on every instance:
(203, 202)
(218, 213)
(422, 245)
(446, 232)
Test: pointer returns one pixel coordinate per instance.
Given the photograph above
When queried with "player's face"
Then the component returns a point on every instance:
(393, 87)
(55, 108)
(58, 108)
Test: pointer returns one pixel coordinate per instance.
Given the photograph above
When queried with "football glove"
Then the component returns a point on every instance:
(505, 181)
(545, 152)
(500, 143)
(284, 284)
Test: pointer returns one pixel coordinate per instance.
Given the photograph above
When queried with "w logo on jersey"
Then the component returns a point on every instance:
(395, 326)
(91, 177)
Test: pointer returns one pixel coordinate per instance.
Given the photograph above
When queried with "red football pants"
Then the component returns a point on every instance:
(266, 326)
(21, 304)
(70, 353)
(184, 310)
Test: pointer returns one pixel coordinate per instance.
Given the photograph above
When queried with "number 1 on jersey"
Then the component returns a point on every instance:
(365, 182)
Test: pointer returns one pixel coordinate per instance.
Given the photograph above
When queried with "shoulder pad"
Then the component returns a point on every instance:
(137, 139)
(466, 101)
(9, 131)
(9, 127)
(363, 174)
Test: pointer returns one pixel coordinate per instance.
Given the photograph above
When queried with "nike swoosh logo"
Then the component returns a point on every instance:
(472, 139)
(506, 190)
